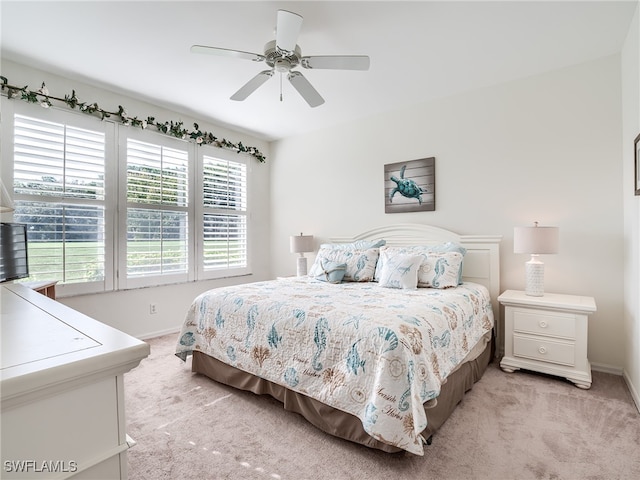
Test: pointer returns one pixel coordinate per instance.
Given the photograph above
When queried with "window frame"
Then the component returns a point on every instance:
(115, 203)
(155, 138)
(10, 108)
(222, 154)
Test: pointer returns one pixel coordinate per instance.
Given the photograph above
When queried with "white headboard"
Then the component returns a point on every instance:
(481, 262)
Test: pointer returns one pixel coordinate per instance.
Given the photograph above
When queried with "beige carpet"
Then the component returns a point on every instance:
(510, 426)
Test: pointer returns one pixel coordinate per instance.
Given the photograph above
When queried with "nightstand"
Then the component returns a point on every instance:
(46, 287)
(547, 334)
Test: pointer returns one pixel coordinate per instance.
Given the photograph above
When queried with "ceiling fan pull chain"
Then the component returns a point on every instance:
(280, 86)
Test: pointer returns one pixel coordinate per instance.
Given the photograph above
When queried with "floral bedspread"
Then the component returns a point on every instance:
(374, 352)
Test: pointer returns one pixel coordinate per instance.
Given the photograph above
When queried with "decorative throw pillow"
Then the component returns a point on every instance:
(452, 247)
(332, 272)
(401, 271)
(424, 250)
(361, 264)
(440, 270)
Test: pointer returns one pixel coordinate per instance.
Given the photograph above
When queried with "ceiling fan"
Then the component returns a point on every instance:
(282, 55)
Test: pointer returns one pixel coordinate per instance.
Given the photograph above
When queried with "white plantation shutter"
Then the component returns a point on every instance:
(57, 159)
(225, 184)
(224, 203)
(156, 174)
(225, 241)
(157, 227)
(178, 211)
(59, 193)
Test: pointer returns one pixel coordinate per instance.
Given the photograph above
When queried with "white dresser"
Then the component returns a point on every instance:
(547, 334)
(62, 388)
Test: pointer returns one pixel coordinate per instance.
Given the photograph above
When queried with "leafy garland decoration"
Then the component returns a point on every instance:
(175, 129)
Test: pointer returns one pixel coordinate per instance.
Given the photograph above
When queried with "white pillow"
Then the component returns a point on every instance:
(400, 271)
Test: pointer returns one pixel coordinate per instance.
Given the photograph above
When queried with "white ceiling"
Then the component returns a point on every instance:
(420, 50)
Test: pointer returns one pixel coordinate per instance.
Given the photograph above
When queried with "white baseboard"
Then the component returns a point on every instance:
(604, 368)
(159, 333)
(632, 390)
(599, 367)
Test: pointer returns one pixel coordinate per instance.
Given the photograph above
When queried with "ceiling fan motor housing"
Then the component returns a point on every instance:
(282, 61)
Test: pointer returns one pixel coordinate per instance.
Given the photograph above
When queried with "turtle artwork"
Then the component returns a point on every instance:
(415, 181)
(406, 187)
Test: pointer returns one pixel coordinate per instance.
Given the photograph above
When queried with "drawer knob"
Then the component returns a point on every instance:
(543, 324)
(542, 350)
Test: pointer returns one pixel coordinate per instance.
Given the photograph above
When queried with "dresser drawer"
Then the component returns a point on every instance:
(541, 322)
(563, 353)
(78, 424)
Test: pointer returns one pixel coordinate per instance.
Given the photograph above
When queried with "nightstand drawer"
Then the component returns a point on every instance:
(544, 350)
(542, 322)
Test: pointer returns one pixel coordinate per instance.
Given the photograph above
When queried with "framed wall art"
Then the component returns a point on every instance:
(410, 186)
(636, 163)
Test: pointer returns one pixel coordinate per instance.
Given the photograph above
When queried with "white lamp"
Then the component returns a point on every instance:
(536, 241)
(301, 244)
(6, 205)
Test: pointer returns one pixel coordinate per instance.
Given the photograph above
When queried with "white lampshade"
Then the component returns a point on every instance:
(535, 241)
(6, 205)
(301, 243)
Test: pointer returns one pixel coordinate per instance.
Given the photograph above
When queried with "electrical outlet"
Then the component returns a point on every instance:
(152, 309)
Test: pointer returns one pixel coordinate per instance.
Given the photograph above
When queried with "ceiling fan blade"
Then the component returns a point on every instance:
(336, 62)
(288, 26)
(225, 52)
(252, 85)
(304, 88)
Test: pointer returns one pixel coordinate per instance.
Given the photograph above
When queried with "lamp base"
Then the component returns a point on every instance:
(301, 266)
(534, 276)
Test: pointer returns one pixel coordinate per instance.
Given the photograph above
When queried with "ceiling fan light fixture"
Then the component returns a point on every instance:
(282, 65)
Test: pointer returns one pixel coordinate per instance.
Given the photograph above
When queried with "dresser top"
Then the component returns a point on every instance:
(30, 334)
(549, 300)
(45, 342)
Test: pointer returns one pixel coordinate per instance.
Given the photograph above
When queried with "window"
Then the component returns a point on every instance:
(224, 217)
(59, 180)
(109, 206)
(157, 219)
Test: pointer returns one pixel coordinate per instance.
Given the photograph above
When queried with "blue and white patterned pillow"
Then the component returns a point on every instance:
(357, 245)
(440, 270)
(401, 271)
(425, 251)
(332, 272)
(361, 264)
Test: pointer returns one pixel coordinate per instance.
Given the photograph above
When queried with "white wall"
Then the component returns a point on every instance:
(631, 128)
(544, 148)
(129, 310)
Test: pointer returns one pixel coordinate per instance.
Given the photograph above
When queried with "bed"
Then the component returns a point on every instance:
(377, 345)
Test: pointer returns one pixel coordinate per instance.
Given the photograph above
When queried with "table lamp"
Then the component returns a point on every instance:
(301, 244)
(536, 241)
